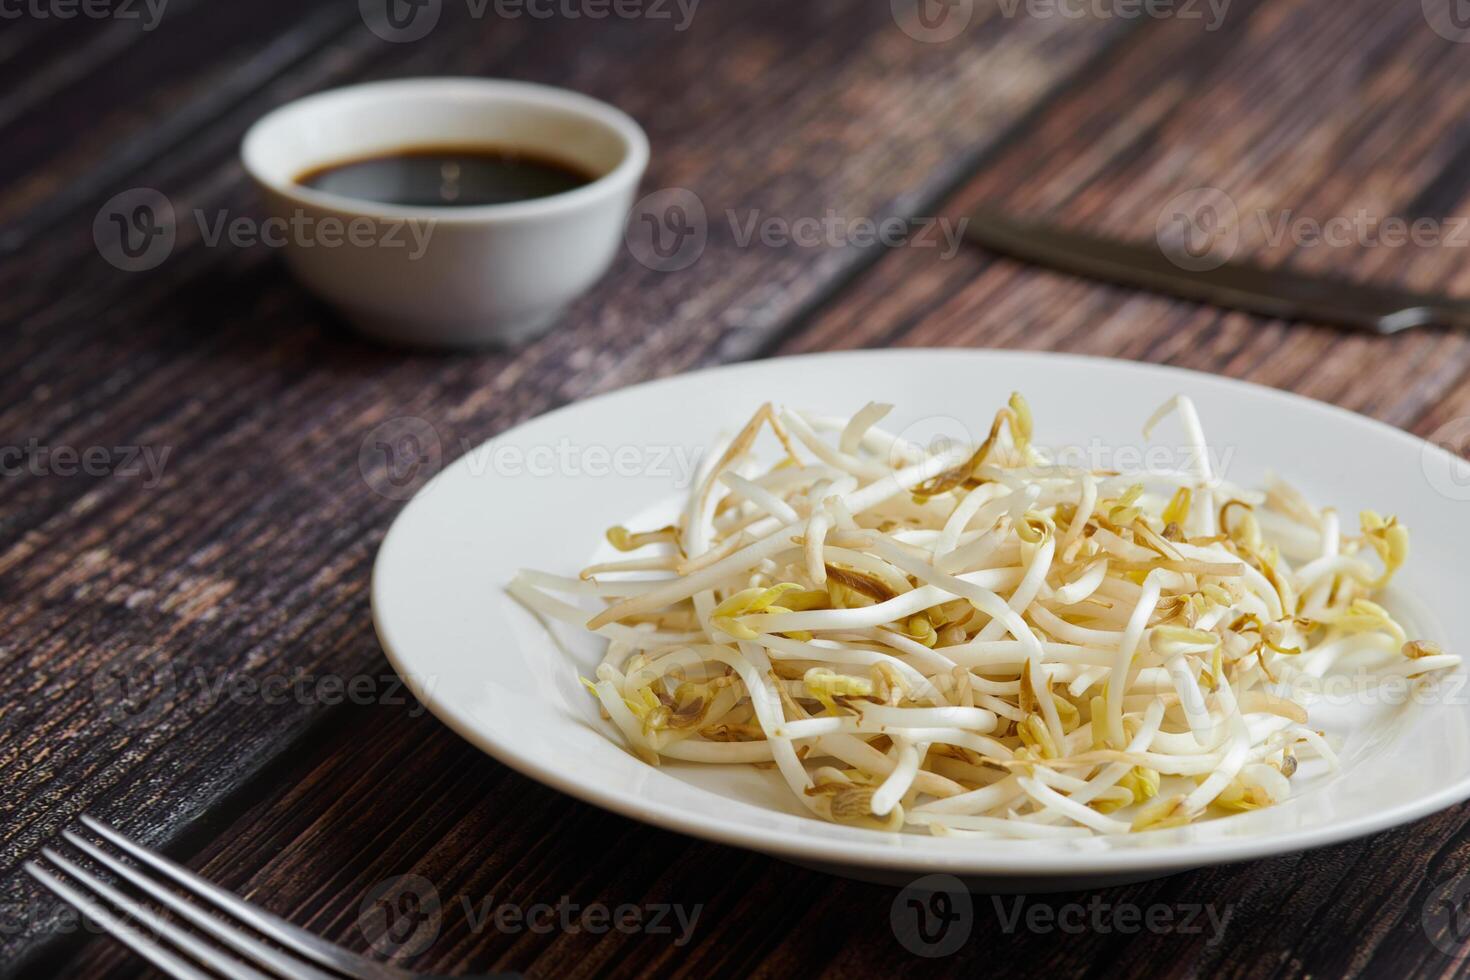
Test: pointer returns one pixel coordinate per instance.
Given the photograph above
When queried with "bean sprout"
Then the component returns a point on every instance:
(980, 642)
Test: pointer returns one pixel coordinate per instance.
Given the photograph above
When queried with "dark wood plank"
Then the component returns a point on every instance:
(1326, 121)
(128, 602)
(386, 794)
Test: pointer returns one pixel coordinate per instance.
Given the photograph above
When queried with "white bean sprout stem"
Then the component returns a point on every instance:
(980, 642)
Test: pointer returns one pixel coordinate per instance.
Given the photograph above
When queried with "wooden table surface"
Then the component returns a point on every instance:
(219, 532)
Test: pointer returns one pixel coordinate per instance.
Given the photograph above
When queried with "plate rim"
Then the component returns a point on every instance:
(985, 861)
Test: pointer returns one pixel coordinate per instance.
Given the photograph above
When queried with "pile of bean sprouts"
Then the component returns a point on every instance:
(976, 640)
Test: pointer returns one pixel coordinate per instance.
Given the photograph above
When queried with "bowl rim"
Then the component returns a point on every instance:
(626, 174)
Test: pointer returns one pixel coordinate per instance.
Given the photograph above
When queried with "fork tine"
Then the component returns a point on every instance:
(129, 936)
(184, 940)
(232, 936)
(283, 932)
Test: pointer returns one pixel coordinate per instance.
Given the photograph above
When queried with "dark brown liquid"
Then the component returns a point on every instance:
(448, 177)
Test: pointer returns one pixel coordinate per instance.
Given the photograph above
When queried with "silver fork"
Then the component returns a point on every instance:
(303, 955)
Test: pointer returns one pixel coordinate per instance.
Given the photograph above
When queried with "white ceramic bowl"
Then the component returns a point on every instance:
(542, 494)
(448, 276)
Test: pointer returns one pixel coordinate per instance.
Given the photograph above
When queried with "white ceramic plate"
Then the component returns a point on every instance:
(542, 495)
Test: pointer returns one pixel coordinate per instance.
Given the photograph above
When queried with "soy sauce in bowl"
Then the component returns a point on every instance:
(448, 177)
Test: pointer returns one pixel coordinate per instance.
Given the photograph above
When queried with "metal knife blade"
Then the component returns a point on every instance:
(1279, 293)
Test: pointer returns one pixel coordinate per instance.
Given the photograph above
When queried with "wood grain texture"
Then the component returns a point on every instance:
(141, 616)
(316, 849)
(1322, 125)
(1313, 108)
